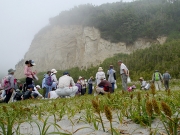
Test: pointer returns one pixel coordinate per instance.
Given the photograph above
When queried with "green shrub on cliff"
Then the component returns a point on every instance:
(125, 22)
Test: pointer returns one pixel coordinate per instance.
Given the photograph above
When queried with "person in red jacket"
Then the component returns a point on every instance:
(103, 87)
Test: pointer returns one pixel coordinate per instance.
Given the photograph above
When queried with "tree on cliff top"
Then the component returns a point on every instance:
(125, 21)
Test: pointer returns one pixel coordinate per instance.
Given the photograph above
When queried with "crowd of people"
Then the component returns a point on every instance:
(66, 87)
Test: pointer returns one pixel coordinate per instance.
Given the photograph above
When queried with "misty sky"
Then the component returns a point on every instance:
(22, 19)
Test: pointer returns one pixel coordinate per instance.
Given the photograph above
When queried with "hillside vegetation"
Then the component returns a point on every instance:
(125, 21)
(142, 62)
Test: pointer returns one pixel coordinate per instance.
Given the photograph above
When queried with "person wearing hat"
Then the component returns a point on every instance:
(90, 85)
(36, 93)
(28, 72)
(111, 76)
(103, 87)
(99, 75)
(28, 94)
(142, 83)
(157, 79)
(78, 84)
(66, 86)
(83, 85)
(124, 72)
(54, 79)
(10, 86)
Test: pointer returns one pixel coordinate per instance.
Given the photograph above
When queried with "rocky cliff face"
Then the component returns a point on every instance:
(64, 47)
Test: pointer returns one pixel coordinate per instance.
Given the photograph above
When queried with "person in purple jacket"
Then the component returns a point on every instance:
(78, 84)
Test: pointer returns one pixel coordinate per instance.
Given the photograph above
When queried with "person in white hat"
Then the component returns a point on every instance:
(36, 92)
(100, 74)
(144, 85)
(54, 78)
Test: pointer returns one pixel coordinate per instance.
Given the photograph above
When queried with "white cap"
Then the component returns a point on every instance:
(37, 86)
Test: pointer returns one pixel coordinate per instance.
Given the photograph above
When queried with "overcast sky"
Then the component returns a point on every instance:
(20, 20)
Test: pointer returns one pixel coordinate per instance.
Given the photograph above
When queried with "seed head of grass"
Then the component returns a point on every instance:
(108, 113)
(155, 106)
(108, 95)
(131, 96)
(149, 108)
(96, 106)
(54, 105)
(4, 108)
(166, 109)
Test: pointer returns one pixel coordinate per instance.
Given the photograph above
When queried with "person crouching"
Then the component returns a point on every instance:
(103, 87)
(66, 86)
(28, 93)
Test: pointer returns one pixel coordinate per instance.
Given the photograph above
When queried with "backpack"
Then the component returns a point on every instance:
(5, 83)
(156, 76)
(48, 81)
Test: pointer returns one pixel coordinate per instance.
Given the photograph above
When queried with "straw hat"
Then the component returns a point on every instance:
(141, 78)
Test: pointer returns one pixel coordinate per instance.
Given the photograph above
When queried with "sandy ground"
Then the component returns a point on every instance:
(75, 127)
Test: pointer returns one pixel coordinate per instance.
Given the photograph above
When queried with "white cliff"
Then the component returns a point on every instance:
(64, 47)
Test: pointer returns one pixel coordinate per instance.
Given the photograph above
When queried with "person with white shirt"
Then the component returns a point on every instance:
(36, 93)
(66, 86)
(52, 95)
(124, 72)
(143, 83)
(54, 79)
(100, 74)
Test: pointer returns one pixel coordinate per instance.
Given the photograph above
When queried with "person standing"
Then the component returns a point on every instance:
(83, 84)
(157, 79)
(100, 74)
(166, 78)
(48, 83)
(28, 72)
(9, 85)
(111, 76)
(90, 84)
(44, 86)
(124, 72)
(54, 79)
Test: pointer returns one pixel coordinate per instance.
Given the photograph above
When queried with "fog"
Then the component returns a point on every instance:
(22, 19)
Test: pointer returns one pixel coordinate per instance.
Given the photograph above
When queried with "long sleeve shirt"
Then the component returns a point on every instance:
(36, 91)
(66, 81)
(11, 82)
(54, 79)
(28, 72)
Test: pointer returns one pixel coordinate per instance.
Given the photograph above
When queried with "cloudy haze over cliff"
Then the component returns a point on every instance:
(22, 19)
